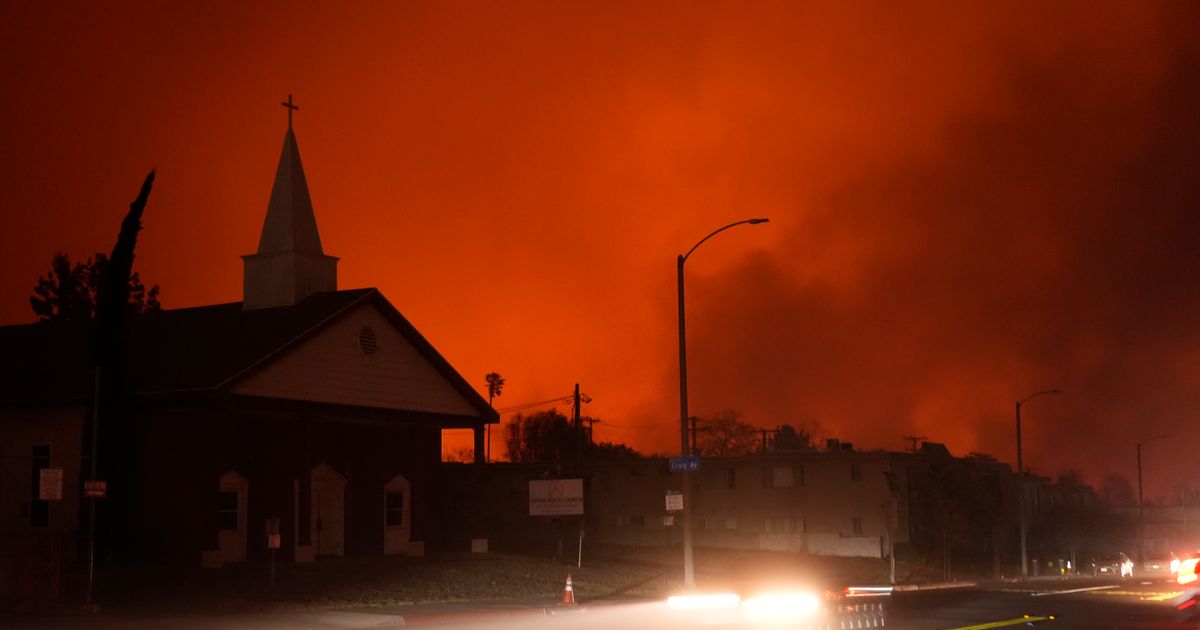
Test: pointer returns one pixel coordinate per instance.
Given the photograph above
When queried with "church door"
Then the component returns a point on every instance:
(232, 505)
(328, 511)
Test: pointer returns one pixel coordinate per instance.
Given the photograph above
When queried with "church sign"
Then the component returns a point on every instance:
(556, 497)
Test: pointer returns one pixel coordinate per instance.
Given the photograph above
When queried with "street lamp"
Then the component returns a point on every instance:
(1141, 517)
(689, 574)
(1021, 478)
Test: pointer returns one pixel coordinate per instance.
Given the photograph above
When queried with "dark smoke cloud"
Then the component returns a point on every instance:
(1051, 242)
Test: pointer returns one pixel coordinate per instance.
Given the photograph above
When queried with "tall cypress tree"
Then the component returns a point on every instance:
(114, 451)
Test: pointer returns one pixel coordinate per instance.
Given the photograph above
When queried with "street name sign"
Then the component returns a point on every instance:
(686, 463)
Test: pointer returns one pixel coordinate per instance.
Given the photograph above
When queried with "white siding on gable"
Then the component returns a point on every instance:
(333, 368)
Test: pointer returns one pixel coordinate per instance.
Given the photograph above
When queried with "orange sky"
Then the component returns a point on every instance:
(967, 204)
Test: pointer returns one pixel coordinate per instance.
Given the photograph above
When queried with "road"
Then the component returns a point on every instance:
(1090, 604)
(1072, 603)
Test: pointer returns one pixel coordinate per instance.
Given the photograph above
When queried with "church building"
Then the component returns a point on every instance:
(316, 409)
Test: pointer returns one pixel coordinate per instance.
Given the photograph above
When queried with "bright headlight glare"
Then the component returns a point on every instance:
(1187, 571)
(702, 602)
(782, 605)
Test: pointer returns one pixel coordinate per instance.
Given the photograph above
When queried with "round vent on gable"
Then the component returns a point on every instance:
(367, 341)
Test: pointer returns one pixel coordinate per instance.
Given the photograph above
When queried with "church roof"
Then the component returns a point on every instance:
(205, 349)
(290, 225)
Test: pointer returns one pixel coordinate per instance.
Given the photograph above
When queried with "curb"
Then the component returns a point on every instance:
(451, 618)
(937, 586)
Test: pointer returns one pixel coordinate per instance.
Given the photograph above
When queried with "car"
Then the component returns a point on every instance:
(756, 591)
(852, 607)
(1187, 569)
(1161, 563)
(1111, 564)
(1186, 603)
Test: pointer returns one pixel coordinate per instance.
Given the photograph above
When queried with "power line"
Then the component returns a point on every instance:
(531, 405)
(568, 398)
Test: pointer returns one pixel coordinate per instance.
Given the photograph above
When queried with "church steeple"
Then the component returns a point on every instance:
(290, 264)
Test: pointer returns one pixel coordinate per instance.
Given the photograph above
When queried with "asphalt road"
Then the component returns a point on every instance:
(1091, 604)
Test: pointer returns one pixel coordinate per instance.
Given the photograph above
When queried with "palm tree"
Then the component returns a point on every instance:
(495, 384)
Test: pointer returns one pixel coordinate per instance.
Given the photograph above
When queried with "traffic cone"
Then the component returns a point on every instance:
(568, 598)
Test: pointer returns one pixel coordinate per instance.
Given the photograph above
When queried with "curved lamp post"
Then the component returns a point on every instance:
(1141, 518)
(689, 575)
(1021, 477)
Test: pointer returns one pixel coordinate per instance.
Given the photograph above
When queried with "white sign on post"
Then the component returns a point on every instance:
(674, 501)
(556, 497)
(50, 484)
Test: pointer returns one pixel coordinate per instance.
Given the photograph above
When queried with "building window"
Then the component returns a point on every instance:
(779, 477)
(394, 508)
(858, 525)
(39, 511)
(228, 510)
(779, 525)
(723, 478)
(397, 511)
(855, 472)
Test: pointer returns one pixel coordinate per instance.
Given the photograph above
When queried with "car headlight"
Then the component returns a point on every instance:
(703, 602)
(782, 606)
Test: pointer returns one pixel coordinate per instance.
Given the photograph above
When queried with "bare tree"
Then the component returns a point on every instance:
(790, 438)
(725, 434)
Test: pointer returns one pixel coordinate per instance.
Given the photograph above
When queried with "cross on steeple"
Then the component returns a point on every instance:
(290, 107)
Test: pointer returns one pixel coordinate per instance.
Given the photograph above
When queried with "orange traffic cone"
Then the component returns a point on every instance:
(568, 598)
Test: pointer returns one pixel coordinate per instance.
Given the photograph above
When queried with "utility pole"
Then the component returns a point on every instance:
(1021, 497)
(889, 482)
(578, 431)
(764, 439)
(1021, 480)
(88, 600)
(591, 440)
(1141, 525)
(1141, 516)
